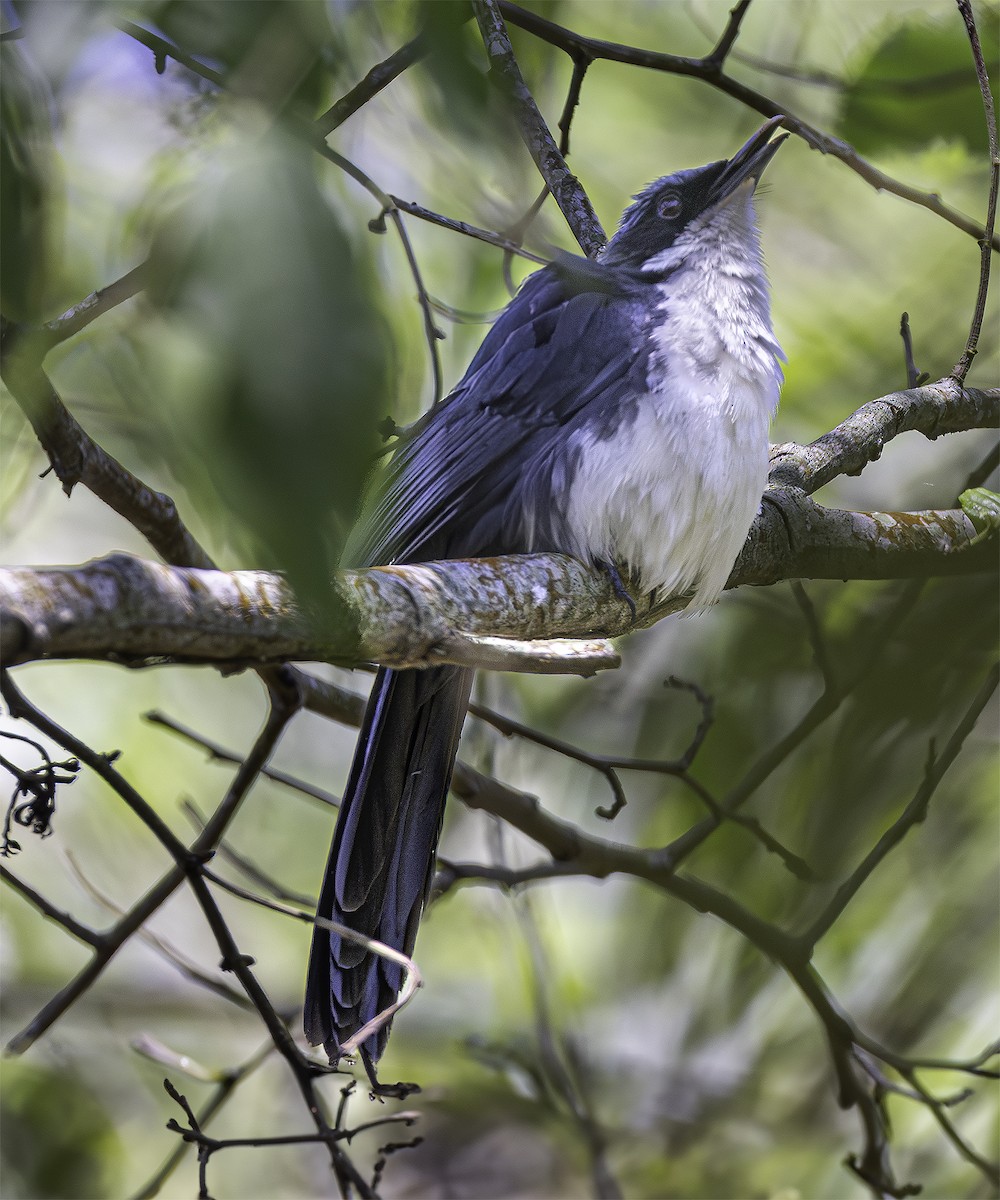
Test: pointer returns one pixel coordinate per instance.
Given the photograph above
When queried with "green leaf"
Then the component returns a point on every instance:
(982, 507)
(27, 178)
(916, 85)
(285, 380)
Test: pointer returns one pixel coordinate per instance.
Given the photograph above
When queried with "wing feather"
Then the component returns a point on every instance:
(555, 352)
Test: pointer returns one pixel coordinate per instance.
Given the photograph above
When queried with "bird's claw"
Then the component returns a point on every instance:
(621, 591)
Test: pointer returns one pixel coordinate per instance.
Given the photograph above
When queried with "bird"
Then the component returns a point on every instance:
(617, 411)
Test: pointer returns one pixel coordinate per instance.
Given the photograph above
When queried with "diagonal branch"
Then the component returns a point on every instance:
(912, 814)
(962, 366)
(562, 183)
(707, 70)
(114, 938)
(933, 410)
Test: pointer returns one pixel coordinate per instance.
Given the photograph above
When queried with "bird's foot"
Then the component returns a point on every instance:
(383, 1091)
(621, 591)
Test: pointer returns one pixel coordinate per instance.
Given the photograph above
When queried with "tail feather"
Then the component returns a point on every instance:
(382, 858)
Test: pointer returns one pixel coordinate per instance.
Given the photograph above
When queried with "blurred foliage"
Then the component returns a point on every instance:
(58, 1138)
(30, 197)
(280, 315)
(249, 383)
(918, 83)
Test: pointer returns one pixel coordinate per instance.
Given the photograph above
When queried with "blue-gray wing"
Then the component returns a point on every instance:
(565, 351)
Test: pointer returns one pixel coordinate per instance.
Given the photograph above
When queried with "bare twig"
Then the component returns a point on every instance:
(912, 814)
(703, 68)
(72, 926)
(819, 712)
(914, 377)
(251, 870)
(566, 191)
(816, 639)
(223, 1092)
(161, 946)
(961, 368)
(116, 937)
(219, 753)
(95, 305)
(718, 56)
(379, 77)
(506, 244)
(412, 978)
(77, 458)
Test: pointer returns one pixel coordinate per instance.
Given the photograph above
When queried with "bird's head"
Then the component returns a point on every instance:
(693, 208)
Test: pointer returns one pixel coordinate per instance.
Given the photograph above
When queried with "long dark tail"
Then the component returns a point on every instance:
(382, 858)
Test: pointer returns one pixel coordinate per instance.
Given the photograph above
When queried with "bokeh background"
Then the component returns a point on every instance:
(248, 383)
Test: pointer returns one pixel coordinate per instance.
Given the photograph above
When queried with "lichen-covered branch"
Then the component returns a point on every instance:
(503, 614)
(489, 613)
(933, 410)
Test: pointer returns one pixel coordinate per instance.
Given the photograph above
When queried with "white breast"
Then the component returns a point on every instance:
(673, 493)
(672, 496)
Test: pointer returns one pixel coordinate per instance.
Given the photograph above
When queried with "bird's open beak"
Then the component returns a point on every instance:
(750, 161)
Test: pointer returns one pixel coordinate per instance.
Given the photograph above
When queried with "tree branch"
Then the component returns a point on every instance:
(933, 410)
(562, 183)
(707, 69)
(501, 614)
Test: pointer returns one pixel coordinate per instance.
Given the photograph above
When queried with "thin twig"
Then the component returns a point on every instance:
(566, 191)
(466, 230)
(961, 368)
(95, 305)
(989, 1170)
(161, 946)
(912, 814)
(379, 77)
(412, 977)
(816, 640)
(251, 870)
(726, 42)
(821, 710)
(431, 332)
(914, 377)
(702, 68)
(116, 937)
(72, 926)
(219, 753)
(223, 1091)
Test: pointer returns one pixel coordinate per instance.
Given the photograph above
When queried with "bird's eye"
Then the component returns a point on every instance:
(669, 206)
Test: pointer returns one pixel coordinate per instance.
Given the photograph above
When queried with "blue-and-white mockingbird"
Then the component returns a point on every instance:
(617, 411)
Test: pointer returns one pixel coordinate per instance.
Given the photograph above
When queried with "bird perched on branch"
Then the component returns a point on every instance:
(617, 411)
